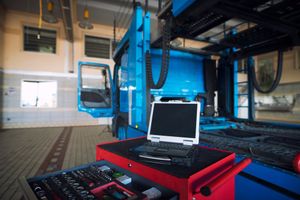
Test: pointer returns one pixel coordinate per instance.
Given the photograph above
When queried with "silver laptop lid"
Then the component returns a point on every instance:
(176, 122)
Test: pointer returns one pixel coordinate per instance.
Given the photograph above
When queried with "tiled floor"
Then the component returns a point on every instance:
(30, 152)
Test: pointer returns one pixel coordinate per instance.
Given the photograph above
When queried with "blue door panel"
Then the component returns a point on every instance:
(95, 101)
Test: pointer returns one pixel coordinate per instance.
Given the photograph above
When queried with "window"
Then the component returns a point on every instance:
(97, 47)
(283, 104)
(95, 87)
(242, 89)
(39, 40)
(38, 94)
(95, 77)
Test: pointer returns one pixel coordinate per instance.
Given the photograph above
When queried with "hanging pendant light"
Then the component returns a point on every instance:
(49, 16)
(85, 23)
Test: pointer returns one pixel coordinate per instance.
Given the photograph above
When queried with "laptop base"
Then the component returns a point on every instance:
(168, 160)
(160, 149)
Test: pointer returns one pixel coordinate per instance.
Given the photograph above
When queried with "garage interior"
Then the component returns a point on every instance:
(49, 124)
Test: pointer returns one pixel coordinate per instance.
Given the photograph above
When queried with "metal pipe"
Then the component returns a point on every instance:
(146, 6)
(114, 32)
(159, 6)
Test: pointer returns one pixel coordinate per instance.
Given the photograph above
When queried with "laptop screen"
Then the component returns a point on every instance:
(180, 120)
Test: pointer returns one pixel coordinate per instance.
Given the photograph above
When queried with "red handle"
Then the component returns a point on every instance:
(220, 180)
(296, 163)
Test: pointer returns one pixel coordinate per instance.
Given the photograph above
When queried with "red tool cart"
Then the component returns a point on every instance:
(210, 177)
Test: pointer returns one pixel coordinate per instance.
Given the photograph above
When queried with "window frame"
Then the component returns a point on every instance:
(38, 81)
(101, 37)
(43, 28)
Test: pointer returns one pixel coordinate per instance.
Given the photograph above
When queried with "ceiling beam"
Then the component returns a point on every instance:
(232, 10)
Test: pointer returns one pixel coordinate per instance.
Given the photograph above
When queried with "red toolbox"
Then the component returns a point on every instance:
(210, 177)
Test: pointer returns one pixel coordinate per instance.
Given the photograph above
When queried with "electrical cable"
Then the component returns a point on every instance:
(166, 37)
(128, 18)
(277, 79)
(41, 13)
(127, 24)
(123, 13)
(122, 17)
(120, 8)
(125, 28)
(117, 17)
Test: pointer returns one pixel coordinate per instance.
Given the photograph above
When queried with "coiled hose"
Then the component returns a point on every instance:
(165, 59)
(277, 79)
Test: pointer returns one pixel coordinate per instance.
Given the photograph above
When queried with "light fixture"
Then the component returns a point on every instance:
(49, 16)
(85, 22)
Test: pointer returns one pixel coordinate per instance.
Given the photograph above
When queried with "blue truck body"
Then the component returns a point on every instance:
(185, 79)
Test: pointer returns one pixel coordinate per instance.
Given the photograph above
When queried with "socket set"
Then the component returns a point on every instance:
(90, 183)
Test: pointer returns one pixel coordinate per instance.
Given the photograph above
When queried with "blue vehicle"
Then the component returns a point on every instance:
(151, 70)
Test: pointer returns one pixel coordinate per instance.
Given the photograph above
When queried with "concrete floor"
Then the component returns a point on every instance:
(35, 151)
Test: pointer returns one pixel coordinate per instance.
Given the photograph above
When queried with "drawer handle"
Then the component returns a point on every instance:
(216, 183)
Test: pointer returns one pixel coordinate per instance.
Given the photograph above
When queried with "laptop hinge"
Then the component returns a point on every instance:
(154, 139)
(188, 142)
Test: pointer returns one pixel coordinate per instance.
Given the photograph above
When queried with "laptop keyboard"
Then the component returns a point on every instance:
(165, 145)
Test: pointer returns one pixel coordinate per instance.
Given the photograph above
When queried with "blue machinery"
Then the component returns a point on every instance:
(191, 76)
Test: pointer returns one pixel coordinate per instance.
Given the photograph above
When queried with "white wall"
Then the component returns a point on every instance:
(65, 114)
(19, 65)
(35, 61)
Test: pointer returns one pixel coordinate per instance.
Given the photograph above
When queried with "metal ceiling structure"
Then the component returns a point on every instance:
(272, 25)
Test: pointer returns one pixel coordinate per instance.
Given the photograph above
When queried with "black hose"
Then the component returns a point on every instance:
(277, 79)
(165, 59)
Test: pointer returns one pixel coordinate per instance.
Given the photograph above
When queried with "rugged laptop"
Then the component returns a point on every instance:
(173, 130)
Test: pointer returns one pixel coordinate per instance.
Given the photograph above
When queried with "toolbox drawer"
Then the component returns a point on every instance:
(91, 181)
